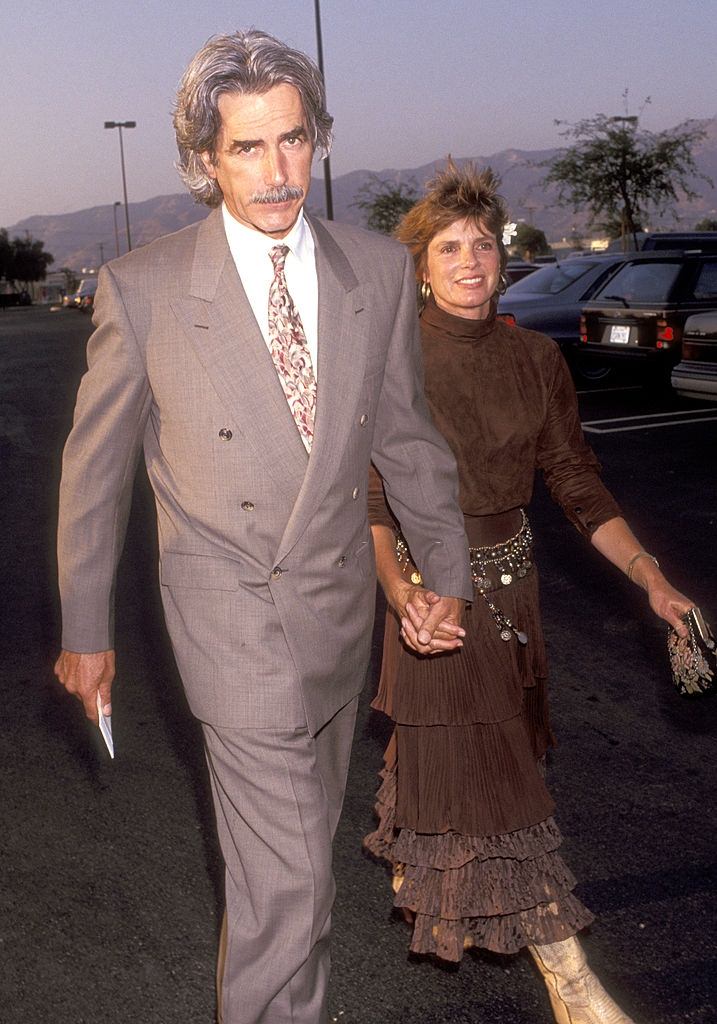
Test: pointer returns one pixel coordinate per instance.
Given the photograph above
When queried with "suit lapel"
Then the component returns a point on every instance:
(219, 320)
(342, 351)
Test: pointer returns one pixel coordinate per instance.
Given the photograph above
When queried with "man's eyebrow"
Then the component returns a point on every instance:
(298, 132)
(241, 143)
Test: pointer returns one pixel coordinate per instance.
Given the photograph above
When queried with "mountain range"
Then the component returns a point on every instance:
(86, 237)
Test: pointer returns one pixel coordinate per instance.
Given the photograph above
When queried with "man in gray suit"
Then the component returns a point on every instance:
(262, 359)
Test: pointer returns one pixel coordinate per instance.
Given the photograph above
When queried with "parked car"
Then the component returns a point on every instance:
(650, 241)
(695, 376)
(11, 298)
(516, 270)
(702, 241)
(639, 313)
(83, 299)
(551, 300)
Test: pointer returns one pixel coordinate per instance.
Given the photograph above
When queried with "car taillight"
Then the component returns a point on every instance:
(667, 334)
(583, 330)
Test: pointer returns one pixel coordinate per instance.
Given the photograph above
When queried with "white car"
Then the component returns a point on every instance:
(695, 376)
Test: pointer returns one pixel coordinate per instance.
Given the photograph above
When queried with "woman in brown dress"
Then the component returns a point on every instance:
(465, 818)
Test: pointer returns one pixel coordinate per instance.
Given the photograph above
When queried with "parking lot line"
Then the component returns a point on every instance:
(603, 391)
(666, 419)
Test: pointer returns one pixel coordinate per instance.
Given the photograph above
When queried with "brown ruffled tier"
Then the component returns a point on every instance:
(473, 779)
(499, 892)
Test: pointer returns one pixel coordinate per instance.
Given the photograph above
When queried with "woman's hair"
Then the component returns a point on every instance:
(454, 194)
(247, 63)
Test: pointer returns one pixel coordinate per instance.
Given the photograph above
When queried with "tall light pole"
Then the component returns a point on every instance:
(120, 125)
(327, 163)
(114, 214)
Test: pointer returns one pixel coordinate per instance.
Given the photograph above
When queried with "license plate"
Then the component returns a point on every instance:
(619, 335)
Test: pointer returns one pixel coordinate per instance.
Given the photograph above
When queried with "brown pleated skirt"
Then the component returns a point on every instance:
(465, 818)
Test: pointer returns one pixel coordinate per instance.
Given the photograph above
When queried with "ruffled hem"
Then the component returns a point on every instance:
(507, 933)
(499, 892)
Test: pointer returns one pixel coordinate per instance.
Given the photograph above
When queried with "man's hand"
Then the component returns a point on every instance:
(83, 675)
(432, 624)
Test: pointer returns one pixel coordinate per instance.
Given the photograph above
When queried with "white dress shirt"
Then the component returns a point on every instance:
(250, 251)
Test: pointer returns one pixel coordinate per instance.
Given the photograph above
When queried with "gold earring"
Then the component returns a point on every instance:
(425, 291)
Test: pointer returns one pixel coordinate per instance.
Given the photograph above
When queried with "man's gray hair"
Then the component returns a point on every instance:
(247, 63)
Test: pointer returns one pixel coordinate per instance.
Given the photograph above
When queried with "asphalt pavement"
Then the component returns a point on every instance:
(110, 891)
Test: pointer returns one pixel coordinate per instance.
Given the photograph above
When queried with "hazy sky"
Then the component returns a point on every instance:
(408, 81)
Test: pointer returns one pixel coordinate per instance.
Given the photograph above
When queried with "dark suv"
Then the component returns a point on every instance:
(640, 311)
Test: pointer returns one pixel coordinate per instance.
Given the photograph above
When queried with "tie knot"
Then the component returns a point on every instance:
(278, 256)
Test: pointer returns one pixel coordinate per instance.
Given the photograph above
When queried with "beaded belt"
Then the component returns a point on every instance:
(498, 565)
(492, 567)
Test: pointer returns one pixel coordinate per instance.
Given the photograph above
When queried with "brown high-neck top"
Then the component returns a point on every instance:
(504, 400)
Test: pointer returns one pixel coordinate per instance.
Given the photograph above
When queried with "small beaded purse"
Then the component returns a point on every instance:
(693, 658)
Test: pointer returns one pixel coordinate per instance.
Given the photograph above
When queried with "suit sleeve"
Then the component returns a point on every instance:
(98, 469)
(417, 466)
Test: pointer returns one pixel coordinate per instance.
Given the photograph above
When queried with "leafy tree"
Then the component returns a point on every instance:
(530, 241)
(617, 169)
(23, 260)
(613, 227)
(5, 255)
(706, 224)
(385, 202)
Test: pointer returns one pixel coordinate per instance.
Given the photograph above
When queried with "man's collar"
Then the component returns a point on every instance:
(299, 239)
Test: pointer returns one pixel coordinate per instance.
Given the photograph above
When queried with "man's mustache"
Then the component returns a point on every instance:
(280, 194)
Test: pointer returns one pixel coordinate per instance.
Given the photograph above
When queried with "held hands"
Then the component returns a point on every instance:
(83, 675)
(430, 624)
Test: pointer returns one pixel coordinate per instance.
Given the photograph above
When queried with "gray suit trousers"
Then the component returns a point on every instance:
(277, 798)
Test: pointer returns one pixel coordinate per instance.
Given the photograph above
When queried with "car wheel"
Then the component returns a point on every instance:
(590, 371)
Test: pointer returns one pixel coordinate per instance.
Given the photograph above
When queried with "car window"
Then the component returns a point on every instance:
(554, 278)
(706, 286)
(641, 282)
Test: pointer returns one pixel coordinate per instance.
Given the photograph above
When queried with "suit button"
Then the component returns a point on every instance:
(355, 493)
(341, 562)
(364, 420)
(225, 434)
(276, 572)
(247, 506)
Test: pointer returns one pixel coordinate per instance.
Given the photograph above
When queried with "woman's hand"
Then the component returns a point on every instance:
(430, 624)
(664, 600)
(616, 541)
(434, 623)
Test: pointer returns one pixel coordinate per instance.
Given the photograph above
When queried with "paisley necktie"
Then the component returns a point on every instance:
(289, 350)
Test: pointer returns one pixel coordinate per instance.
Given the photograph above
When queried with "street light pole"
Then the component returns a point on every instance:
(327, 162)
(114, 214)
(120, 125)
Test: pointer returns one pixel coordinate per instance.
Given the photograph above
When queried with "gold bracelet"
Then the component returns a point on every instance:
(640, 554)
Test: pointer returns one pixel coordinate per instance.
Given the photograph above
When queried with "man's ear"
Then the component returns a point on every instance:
(209, 167)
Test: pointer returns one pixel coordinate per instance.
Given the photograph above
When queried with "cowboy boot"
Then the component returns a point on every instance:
(576, 995)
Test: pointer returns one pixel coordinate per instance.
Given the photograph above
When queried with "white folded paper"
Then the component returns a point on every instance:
(105, 727)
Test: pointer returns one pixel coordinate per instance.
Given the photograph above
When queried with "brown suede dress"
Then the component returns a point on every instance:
(464, 814)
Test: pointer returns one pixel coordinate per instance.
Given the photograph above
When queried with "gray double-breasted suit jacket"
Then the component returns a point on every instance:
(266, 562)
